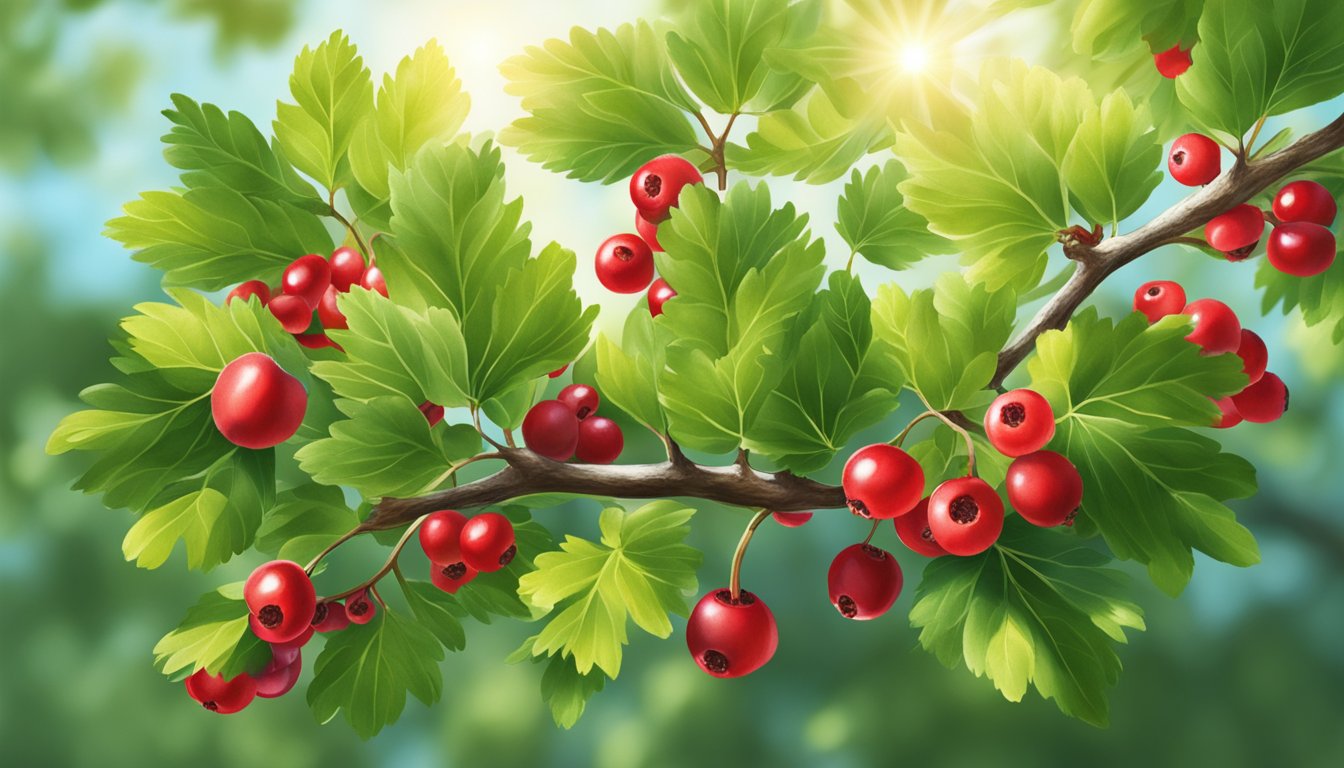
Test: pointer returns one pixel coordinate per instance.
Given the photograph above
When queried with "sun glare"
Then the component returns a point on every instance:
(914, 58)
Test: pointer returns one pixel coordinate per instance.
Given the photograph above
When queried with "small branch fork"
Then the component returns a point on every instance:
(716, 148)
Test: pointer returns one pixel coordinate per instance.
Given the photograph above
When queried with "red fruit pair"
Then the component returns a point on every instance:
(863, 581)
(731, 638)
(255, 403)
(1301, 244)
(459, 546)
(281, 599)
(565, 427)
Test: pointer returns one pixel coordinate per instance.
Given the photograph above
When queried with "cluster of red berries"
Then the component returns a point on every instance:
(625, 261)
(309, 286)
(459, 547)
(567, 427)
(1218, 331)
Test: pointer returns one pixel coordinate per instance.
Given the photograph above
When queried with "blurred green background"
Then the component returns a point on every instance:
(1245, 669)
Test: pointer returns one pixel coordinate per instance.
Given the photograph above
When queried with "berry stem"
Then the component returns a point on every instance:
(348, 535)
(899, 439)
(363, 246)
(955, 427)
(476, 422)
(716, 148)
(384, 570)
(871, 531)
(735, 580)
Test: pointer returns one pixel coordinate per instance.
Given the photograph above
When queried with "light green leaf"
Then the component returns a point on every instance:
(1111, 165)
(213, 636)
(811, 141)
(333, 94)
(304, 520)
(873, 220)
(628, 373)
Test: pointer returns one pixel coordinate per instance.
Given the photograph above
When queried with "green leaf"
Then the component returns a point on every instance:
(600, 104)
(628, 373)
(366, 671)
(641, 570)
(1256, 59)
(304, 520)
(567, 690)
(946, 340)
(333, 94)
(213, 636)
(1111, 165)
(1319, 298)
(873, 220)
(436, 609)
(812, 141)
(719, 49)
(1036, 609)
(1113, 28)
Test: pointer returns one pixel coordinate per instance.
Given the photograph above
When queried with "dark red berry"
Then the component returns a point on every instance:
(373, 280)
(1044, 487)
(1172, 62)
(433, 413)
(1159, 298)
(731, 638)
(330, 617)
(1236, 232)
(440, 535)
(1264, 401)
(317, 341)
(792, 519)
(487, 542)
(359, 608)
(1228, 415)
(1254, 355)
(328, 313)
(286, 652)
(624, 264)
(1019, 422)
(279, 676)
(249, 289)
(965, 515)
(600, 440)
(913, 530)
(864, 581)
(581, 399)
(657, 185)
(648, 230)
(281, 596)
(451, 577)
(551, 429)
(293, 312)
(558, 372)
(223, 697)
(1305, 201)
(1217, 329)
(347, 267)
(1195, 160)
(256, 403)
(1301, 248)
(882, 481)
(307, 277)
(659, 294)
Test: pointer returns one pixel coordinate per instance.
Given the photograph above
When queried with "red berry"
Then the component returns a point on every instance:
(293, 312)
(1301, 248)
(558, 372)
(792, 519)
(659, 293)
(285, 653)
(1217, 329)
(1172, 62)
(1264, 401)
(347, 267)
(256, 403)
(359, 608)
(281, 597)
(329, 313)
(913, 530)
(882, 481)
(373, 280)
(863, 581)
(433, 413)
(1305, 201)
(1194, 160)
(487, 542)
(308, 278)
(317, 341)
(249, 289)
(1236, 232)
(965, 515)
(581, 399)
(648, 230)
(278, 679)
(1019, 422)
(1254, 356)
(330, 617)
(1228, 416)
(1159, 298)
(656, 186)
(440, 535)
(624, 264)
(221, 696)
(451, 577)
(551, 429)
(600, 441)
(1045, 488)
(731, 638)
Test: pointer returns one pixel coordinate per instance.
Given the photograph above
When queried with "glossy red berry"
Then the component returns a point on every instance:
(1228, 415)
(255, 403)
(487, 542)
(347, 267)
(600, 441)
(657, 185)
(1236, 232)
(330, 617)
(278, 679)
(581, 399)
(1301, 248)
(648, 230)
(1159, 298)
(624, 264)
(558, 372)
(1264, 401)
(308, 278)
(731, 638)
(913, 530)
(359, 608)
(965, 515)
(1019, 422)
(317, 341)
(328, 313)
(221, 696)
(433, 413)
(1194, 160)
(249, 289)
(659, 293)
(792, 519)
(1305, 201)
(882, 481)
(1217, 329)
(1045, 488)
(281, 595)
(285, 653)
(440, 535)
(452, 576)
(1254, 355)
(373, 280)
(1172, 62)
(551, 429)
(864, 581)
(293, 312)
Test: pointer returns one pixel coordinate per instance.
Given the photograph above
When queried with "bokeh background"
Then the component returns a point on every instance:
(1245, 669)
